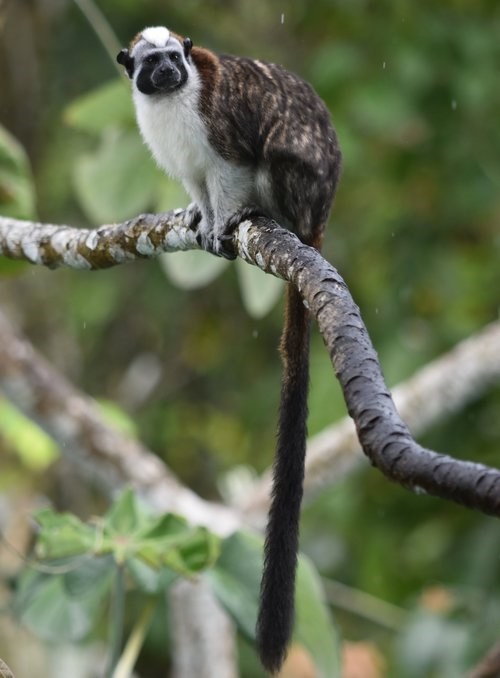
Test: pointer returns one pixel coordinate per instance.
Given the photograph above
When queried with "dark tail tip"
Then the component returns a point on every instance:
(271, 658)
(277, 593)
(276, 615)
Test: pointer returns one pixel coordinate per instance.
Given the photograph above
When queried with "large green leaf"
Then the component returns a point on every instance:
(119, 180)
(46, 607)
(166, 525)
(126, 516)
(34, 447)
(149, 579)
(191, 270)
(109, 104)
(87, 573)
(235, 579)
(314, 627)
(62, 535)
(259, 290)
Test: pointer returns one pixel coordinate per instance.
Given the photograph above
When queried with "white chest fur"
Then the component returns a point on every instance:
(174, 131)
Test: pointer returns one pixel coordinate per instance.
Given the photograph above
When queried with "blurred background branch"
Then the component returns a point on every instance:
(99, 450)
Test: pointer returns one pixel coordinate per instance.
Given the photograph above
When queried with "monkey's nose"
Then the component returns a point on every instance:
(165, 77)
(165, 70)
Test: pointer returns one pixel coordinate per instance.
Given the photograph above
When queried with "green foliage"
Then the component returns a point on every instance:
(128, 532)
(80, 564)
(25, 438)
(106, 106)
(236, 579)
(314, 627)
(100, 178)
(51, 610)
(192, 270)
(17, 197)
(259, 291)
(63, 535)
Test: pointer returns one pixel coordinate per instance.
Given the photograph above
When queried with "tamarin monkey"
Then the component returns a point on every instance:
(247, 137)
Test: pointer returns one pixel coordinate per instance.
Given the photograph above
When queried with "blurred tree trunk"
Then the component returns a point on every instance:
(24, 31)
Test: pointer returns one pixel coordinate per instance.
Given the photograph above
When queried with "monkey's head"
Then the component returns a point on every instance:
(157, 60)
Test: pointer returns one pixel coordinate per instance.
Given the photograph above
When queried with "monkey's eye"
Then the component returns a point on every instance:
(151, 59)
(175, 56)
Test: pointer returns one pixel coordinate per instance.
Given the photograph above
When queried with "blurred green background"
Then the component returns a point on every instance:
(414, 92)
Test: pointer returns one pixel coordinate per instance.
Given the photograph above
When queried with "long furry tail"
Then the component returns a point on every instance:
(276, 613)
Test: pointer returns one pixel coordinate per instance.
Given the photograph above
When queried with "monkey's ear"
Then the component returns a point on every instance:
(126, 60)
(188, 45)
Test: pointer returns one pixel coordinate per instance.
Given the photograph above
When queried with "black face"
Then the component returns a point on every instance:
(161, 72)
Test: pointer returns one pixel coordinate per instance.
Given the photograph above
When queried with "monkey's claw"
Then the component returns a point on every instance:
(220, 246)
(225, 246)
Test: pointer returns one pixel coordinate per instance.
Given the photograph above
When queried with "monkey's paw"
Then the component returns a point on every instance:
(220, 246)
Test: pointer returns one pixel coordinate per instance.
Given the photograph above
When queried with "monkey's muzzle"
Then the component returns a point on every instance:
(166, 78)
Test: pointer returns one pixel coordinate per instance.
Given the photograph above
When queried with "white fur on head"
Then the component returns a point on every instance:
(156, 35)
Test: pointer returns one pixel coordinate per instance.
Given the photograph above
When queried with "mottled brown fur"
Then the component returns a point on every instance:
(262, 115)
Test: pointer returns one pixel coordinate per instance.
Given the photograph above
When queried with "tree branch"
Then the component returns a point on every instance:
(102, 453)
(146, 236)
(489, 666)
(383, 435)
(440, 388)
